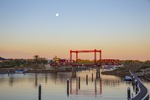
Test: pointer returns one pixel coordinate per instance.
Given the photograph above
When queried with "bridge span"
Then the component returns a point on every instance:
(96, 62)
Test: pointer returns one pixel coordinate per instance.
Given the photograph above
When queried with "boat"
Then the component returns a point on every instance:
(19, 71)
(128, 78)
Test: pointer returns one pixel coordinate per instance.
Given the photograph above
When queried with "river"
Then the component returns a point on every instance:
(54, 86)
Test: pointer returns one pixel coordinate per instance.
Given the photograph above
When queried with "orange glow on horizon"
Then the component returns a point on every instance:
(65, 54)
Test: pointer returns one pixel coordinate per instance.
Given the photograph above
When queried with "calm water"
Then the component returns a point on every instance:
(54, 87)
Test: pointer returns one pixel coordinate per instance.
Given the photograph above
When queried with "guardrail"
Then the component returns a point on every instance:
(141, 90)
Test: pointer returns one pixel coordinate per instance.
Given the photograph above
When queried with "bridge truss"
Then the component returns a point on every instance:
(88, 51)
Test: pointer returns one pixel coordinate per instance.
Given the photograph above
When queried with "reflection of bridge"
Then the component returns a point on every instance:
(96, 90)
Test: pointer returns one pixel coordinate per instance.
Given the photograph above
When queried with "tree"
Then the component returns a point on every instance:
(36, 57)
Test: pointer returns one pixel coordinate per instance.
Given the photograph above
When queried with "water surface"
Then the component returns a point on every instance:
(54, 86)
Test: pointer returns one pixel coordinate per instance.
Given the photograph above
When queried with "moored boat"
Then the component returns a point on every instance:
(128, 78)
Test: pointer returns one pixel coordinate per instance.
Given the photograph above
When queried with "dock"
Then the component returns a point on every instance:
(142, 93)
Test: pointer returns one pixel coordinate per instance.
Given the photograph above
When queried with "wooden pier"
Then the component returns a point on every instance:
(142, 93)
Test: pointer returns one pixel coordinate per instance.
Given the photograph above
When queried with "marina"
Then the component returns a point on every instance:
(54, 86)
(74, 49)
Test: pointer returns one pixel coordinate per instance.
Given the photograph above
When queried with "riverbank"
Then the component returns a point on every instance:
(116, 73)
(147, 77)
(13, 70)
(139, 68)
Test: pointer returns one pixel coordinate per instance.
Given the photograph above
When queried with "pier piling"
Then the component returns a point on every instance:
(39, 95)
(128, 93)
(86, 79)
(67, 87)
(79, 83)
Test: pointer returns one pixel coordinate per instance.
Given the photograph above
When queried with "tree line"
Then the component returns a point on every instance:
(18, 62)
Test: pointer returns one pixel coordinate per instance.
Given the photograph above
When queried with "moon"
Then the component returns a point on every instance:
(57, 14)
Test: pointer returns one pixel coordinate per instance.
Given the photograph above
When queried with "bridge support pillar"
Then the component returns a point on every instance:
(73, 72)
(97, 72)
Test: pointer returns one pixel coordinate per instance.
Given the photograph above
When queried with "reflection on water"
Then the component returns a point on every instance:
(54, 86)
(11, 78)
(78, 87)
(36, 79)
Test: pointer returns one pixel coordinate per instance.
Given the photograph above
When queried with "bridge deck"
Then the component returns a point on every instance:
(86, 65)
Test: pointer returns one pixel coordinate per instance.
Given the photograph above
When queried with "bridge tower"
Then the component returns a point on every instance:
(89, 51)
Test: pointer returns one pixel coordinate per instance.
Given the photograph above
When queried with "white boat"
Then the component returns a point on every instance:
(128, 78)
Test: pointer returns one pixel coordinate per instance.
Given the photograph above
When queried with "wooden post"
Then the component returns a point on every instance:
(128, 93)
(79, 83)
(67, 87)
(86, 79)
(39, 95)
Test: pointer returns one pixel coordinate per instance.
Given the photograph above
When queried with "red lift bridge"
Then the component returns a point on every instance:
(97, 62)
(87, 51)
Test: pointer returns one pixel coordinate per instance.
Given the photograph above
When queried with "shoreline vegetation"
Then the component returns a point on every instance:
(142, 69)
(37, 64)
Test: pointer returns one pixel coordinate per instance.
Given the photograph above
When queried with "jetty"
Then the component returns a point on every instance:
(142, 93)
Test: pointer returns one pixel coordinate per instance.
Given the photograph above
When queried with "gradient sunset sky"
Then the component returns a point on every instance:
(120, 28)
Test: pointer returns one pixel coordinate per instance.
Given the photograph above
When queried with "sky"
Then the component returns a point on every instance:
(120, 28)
